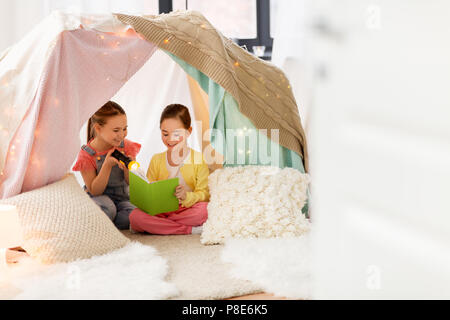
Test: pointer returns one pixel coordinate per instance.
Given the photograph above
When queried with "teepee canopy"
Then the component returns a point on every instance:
(262, 91)
(68, 66)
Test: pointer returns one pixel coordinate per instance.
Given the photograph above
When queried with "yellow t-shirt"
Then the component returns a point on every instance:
(195, 173)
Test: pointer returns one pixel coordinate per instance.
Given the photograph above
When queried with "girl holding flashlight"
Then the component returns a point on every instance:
(106, 178)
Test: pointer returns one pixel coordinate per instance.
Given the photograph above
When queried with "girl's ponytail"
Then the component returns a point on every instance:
(109, 109)
(90, 131)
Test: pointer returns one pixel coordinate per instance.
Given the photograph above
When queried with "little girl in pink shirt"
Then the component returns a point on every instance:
(105, 178)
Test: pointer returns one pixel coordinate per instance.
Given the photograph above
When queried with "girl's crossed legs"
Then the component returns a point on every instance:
(180, 221)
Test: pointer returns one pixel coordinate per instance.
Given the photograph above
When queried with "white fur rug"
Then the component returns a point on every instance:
(117, 275)
(280, 266)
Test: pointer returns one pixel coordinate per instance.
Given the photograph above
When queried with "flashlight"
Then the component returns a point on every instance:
(121, 157)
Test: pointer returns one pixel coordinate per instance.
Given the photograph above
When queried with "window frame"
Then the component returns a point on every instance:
(263, 37)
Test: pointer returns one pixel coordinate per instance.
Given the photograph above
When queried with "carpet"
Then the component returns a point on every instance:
(151, 267)
(172, 267)
(196, 270)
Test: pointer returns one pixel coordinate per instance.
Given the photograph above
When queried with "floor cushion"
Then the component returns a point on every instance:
(61, 223)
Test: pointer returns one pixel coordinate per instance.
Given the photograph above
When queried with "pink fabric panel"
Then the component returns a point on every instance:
(85, 70)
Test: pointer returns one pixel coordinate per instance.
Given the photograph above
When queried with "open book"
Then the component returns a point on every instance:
(153, 198)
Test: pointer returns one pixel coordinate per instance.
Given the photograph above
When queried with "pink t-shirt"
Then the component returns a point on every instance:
(87, 162)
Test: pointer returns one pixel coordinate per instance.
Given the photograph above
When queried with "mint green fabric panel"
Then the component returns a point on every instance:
(215, 92)
(234, 135)
(227, 121)
(245, 145)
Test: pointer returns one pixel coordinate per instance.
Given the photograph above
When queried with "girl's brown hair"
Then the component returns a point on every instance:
(109, 109)
(177, 111)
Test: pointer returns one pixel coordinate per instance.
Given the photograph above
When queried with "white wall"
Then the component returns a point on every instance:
(17, 18)
(371, 81)
(381, 148)
(290, 50)
(20, 16)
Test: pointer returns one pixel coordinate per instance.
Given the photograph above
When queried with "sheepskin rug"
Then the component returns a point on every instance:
(281, 266)
(255, 202)
(116, 275)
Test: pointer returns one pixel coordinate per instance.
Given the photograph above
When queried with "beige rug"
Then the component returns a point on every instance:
(196, 270)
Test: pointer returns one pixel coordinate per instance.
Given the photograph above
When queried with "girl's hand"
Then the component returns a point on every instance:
(111, 161)
(122, 165)
(180, 192)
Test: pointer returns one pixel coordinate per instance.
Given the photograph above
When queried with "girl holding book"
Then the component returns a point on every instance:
(105, 178)
(178, 161)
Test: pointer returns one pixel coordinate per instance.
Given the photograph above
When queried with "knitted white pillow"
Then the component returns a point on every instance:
(61, 223)
(255, 202)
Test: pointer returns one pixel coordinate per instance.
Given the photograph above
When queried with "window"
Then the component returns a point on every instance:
(247, 22)
(234, 18)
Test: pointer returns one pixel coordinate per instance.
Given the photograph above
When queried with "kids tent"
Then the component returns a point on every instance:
(55, 78)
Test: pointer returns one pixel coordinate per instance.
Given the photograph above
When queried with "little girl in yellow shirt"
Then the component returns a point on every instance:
(189, 166)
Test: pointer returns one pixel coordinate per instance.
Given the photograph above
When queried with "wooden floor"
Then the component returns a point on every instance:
(258, 296)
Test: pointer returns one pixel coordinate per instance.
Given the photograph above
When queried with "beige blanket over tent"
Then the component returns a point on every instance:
(261, 90)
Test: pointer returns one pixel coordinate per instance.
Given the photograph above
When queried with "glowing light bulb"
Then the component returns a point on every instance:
(133, 165)
(166, 41)
(236, 64)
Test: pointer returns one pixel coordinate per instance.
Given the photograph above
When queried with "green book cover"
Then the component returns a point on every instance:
(153, 198)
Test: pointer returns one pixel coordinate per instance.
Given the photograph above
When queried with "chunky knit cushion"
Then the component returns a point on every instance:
(61, 223)
(255, 202)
